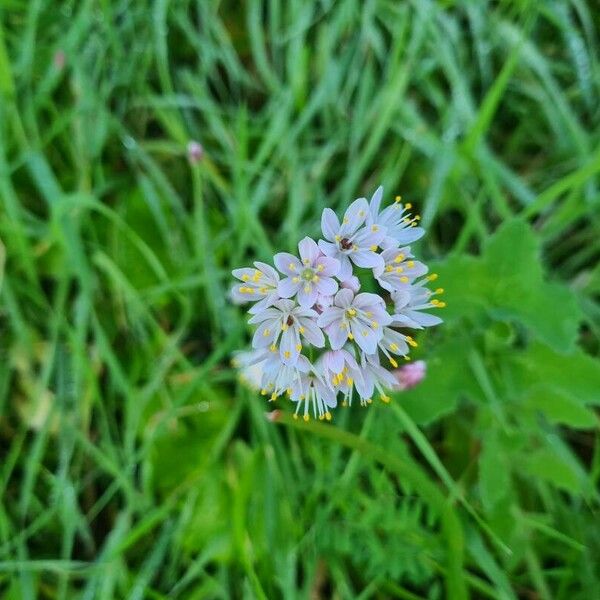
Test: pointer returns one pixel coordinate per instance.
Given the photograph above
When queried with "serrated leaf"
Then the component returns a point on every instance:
(507, 281)
(551, 467)
(560, 407)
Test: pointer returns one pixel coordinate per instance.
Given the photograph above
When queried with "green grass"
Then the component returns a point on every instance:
(133, 464)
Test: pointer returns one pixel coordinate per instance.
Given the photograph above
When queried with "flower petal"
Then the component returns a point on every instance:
(329, 249)
(268, 270)
(331, 266)
(345, 268)
(354, 217)
(287, 263)
(309, 250)
(367, 259)
(332, 314)
(289, 348)
(365, 337)
(344, 298)
(308, 298)
(337, 335)
(287, 288)
(312, 333)
(366, 299)
(330, 224)
(326, 286)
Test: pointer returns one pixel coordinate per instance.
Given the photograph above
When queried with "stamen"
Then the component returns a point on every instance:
(399, 258)
(404, 279)
(266, 332)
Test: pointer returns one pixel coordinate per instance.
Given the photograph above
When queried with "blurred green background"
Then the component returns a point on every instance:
(133, 464)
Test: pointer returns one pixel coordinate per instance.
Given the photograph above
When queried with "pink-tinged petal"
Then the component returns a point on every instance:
(326, 286)
(287, 288)
(268, 270)
(287, 263)
(338, 336)
(344, 298)
(289, 348)
(312, 333)
(367, 259)
(328, 248)
(324, 301)
(345, 268)
(307, 299)
(366, 299)
(375, 202)
(354, 217)
(309, 250)
(331, 266)
(351, 284)
(330, 224)
(241, 273)
(330, 315)
(365, 337)
(265, 334)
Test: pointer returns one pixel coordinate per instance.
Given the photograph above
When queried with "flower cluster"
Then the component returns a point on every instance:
(317, 336)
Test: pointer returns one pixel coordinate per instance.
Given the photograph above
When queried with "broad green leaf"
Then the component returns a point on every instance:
(560, 407)
(551, 467)
(507, 281)
(494, 473)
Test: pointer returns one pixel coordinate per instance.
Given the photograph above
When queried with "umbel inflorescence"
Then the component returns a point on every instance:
(317, 336)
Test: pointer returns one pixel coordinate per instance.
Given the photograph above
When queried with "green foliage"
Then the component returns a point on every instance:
(134, 464)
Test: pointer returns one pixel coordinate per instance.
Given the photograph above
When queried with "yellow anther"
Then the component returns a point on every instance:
(417, 217)
(344, 404)
(393, 363)
(385, 398)
(369, 400)
(320, 268)
(306, 418)
(365, 332)
(288, 391)
(441, 304)
(406, 219)
(345, 221)
(301, 329)
(287, 354)
(306, 262)
(263, 289)
(307, 289)
(439, 291)
(284, 327)
(266, 332)
(408, 205)
(328, 416)
(399, 258)
(263, 392)
(374, 227)
(257, 276)
(354, 247)
(432, 277)
(404, 279)
(298, 347)
(394, 347)
(389, 268)
(296, 279)
(361, 213)
(411, 264)
(350, 336)
(374, 248)
(292, 267)
(374, 324)
(245, 277)
(411, 342)
(349, 381)
(315, 278)
(273, 348)
(398, 199)
(321, 417)
(334, 380)
(337, 238)
(351, 312)
(295, 416)
(399, 270)
(273, 396)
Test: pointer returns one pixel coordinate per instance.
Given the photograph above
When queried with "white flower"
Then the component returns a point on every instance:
(341, 371)
(359, 318)
(312, 392)
(374, 377)
(400, 228)
(399, 269)
(279, 378)
(411, 299)
(348, 241)
(259, 284)
(308, 277)
(291, 321)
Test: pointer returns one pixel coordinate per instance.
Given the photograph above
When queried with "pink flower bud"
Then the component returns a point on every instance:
(59, 60)
(410, 375)
(195, 151)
